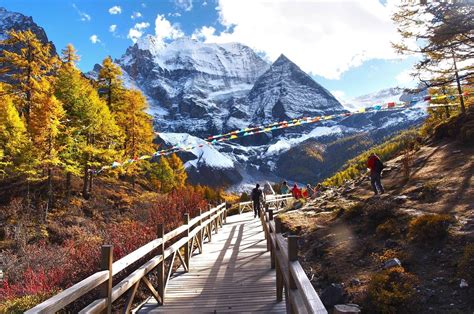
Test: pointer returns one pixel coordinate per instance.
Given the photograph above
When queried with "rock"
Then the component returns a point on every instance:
(394, 262)
(390, 244)
(346, 308)
(400, 199)
(332, 295)
(463, 284)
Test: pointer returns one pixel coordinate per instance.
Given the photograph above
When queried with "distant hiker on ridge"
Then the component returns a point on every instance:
(375, 165)
(256, 196)
(309, 191)
(296, 192)
(285, 189)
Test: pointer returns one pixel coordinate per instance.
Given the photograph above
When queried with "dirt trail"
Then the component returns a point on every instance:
(348, 252)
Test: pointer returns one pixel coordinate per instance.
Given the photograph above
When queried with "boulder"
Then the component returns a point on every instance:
(394, 262)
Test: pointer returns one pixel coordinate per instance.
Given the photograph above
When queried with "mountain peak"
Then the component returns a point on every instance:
(282, 59)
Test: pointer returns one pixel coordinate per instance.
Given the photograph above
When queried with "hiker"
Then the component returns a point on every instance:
(309, 191)
(285, 189)
(268, 191)
(296, 192)
(256, 196)
(375, 165)
(317, 190)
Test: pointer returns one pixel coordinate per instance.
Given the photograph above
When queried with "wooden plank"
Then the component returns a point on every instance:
(234, 272)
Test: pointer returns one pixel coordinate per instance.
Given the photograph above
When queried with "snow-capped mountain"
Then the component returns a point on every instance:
(198, 89)
(191, 85)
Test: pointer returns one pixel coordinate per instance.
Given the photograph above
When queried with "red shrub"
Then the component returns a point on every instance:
(170, 208)
(128, 236)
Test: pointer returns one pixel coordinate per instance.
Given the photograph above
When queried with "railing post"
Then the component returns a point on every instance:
(186, 248)
(272, 252)
(292, 257)
(201, 232)
(279, 275)
(106, 262)
(160, 233)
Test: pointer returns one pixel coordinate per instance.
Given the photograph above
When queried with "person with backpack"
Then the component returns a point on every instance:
(376, 166)
(285, 189)
(256, 197)
(296, 192)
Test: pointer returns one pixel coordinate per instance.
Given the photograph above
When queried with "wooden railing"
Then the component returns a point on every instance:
(277, 200)
(181, 242)
(300, 295)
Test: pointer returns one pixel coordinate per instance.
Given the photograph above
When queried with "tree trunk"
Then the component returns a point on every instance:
(50, 190)
(68, 186)
(90, 183)
(85, 190)
(458, 82)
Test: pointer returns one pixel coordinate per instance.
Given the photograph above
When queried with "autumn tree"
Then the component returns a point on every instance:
(92, 136)
(137, 128)
(110, 83)
(179, 172)
(15, 146)
(28, 63)
(45, 128)
(442, 33)
(161, 174)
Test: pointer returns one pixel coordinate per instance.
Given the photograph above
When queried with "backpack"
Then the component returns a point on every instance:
(379, 165)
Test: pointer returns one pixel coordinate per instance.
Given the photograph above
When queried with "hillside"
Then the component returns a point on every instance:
(351, 239)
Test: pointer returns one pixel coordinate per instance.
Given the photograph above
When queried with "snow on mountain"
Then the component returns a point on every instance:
(284, 144)
(192, 85)
(206, 155)
(381, 97)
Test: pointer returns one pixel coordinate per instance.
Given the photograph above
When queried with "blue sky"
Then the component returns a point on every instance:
(344, 45)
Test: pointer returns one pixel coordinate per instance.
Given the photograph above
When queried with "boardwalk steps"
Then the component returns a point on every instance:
(235, 268)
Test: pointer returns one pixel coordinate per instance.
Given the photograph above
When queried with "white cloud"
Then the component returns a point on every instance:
(204, 3)
(186, 5)
(323, 37)
(175, 14)
(203, 33)
(164, 30)
(94, 39)
(83, 16)
(143, 5)
(136, 15)
(137, 31)
(112, 28)
(404, 78)
(115, 10)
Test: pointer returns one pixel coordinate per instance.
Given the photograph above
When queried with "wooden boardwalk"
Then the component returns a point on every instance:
(233, 275)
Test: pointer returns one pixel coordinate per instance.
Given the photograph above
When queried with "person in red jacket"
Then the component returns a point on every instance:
(375, 165)
(296, 192)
